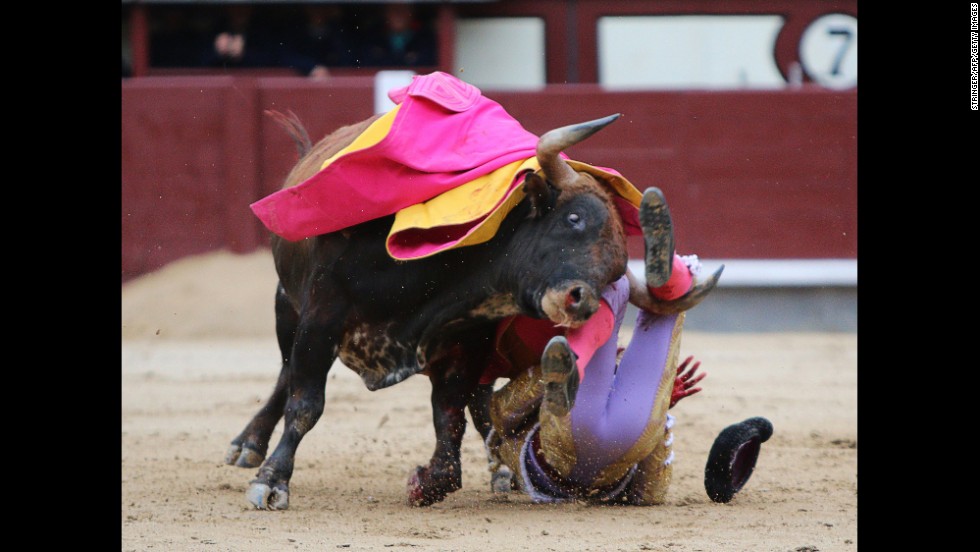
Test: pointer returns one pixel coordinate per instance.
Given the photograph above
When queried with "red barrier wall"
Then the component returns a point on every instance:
(748, 174)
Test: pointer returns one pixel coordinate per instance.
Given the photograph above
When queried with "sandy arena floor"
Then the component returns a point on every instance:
(199, 356)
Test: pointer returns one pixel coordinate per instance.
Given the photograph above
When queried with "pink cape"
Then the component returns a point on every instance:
(445, 134)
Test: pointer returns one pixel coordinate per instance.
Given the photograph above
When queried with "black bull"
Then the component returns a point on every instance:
(341, 294)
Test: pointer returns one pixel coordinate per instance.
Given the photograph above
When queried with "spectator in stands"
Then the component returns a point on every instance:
(253, 36)
(323, 42)
(308, 38)
(239, 40)
(402, 39)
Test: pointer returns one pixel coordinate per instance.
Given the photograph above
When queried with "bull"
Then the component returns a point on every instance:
(341, 295)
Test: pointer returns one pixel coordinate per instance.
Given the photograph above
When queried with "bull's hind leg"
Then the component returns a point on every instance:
(479, 407)
(501, 477)
(248, 449)
(313, 352)
(454, 380)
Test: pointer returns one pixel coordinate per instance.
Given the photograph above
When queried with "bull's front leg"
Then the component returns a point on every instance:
(248, 449)
(314, 351)
(453, 383)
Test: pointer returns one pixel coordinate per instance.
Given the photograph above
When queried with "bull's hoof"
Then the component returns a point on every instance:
(658, 237)
(264, 497)
(503, 481)
(416, 494)
(732, 457)
(243, 457)
(560, 375)
(424, 490)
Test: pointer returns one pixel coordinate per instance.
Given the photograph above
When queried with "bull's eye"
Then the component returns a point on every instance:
(575, 221)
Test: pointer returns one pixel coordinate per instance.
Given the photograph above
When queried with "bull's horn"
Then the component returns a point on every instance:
(695, 295)
(646, 301)
(553, 142)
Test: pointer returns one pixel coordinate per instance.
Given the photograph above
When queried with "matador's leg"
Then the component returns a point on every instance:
(653, 474)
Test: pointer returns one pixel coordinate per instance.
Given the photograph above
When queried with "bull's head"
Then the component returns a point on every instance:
(576, 240)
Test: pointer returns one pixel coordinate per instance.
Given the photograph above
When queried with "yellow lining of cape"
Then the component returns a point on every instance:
(619, 184)
(468, 203)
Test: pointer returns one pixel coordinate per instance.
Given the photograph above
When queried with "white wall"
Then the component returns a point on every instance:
(689, 51)
(661, 52)
(505, 53)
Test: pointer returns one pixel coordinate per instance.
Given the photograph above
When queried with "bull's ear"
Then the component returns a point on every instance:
(541, 194)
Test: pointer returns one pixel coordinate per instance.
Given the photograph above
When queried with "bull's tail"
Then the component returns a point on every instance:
(295, 128)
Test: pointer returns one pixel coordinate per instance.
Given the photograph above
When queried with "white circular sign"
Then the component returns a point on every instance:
(828, 50)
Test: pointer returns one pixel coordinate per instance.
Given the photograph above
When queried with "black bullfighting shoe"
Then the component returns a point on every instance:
(658, 237)
(560, 375)
(732, 457)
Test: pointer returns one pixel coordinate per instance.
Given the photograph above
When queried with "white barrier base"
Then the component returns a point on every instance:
(776, 273)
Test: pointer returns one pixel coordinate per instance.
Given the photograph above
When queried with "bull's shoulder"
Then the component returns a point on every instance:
(324, 149)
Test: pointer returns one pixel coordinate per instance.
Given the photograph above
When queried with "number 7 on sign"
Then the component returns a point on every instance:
(848, 37)
(828, 50)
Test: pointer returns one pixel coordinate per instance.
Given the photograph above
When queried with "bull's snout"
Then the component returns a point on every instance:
(571, 304)
(577, 302)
